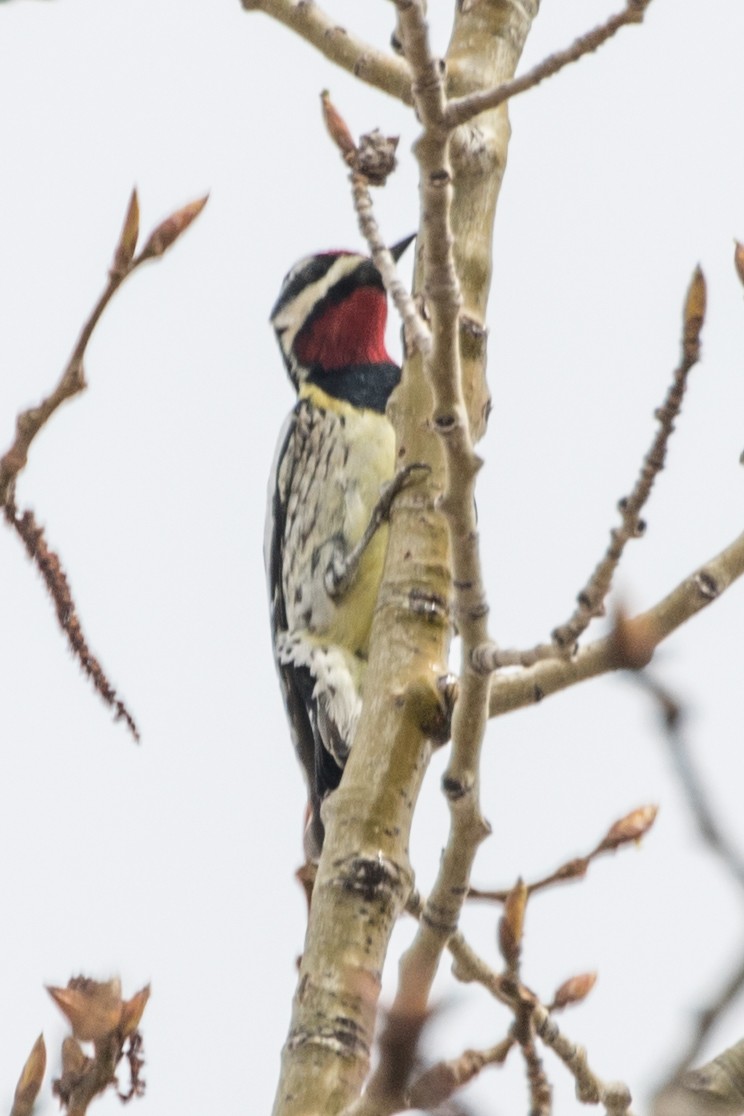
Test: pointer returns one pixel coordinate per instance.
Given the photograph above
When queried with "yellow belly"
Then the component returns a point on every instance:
(360, 458)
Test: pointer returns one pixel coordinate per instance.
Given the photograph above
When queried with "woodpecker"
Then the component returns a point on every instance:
(330, 489)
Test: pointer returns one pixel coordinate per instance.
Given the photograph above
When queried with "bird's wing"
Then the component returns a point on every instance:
(297, 681)
(295, 695)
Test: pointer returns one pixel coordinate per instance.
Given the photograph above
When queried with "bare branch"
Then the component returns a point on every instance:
(539, 1086)
(416, 332)
(627, 830)
(590, 1089)
(384, 71)
(440, 1081)
(30, 422)
(442, 367)
(462, 109)
(469, 967)
(530, 685)
(591, 599)
(72, 380)
(55, 579)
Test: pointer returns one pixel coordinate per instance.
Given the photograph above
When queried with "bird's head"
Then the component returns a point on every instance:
(331, 314)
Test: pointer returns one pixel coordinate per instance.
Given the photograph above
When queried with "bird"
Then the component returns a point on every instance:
(330, 489)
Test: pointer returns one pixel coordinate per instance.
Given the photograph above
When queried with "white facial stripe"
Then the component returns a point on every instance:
(292, 317)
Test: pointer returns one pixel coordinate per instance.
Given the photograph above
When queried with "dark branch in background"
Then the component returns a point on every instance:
(55, 579)
(461, 109)
(31, 421)
(591, 599)
(672, 717)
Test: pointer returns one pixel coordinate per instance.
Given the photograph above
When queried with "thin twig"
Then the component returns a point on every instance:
(376, 151)
(590, 1089)
(384, 71)
(469, 967)
(55, 579)
(31, 421)
(541, 1094)
(462, 109)
(415, 330)
(516, 689)
(628, 830)
(591, 599)
(440, 1081)
(72, 380)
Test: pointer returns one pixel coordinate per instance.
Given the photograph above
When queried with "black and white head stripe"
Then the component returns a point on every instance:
(304, 273)
(305, 290)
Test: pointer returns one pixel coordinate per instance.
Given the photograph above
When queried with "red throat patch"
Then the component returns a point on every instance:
(351, 331)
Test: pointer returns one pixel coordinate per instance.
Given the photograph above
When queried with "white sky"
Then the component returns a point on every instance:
(173, 862)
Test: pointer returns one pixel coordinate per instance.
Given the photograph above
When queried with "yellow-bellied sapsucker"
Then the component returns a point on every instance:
(324, 551)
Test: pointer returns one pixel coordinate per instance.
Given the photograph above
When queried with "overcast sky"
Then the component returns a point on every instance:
(172, 862)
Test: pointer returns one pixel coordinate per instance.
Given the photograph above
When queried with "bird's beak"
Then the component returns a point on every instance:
(398, 249)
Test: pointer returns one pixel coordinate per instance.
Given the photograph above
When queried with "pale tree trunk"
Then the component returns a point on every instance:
(364, 876)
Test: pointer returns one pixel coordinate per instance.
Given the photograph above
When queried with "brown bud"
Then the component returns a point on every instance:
(30, 1080)
(739, 260)
(169, 230)
(574, 869)
(694, 312)
(74, 1060)
(630, 828)
(574, 990)
(125, 249)
(633, 641)
(131, 1012)
(305, 876)
(511, 925)
(337, 127)
(93, 1009)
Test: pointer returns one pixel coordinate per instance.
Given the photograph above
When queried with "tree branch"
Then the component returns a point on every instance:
(49, 566)
(591, 599)
(384, 71)
(463, 109)
(30, 422)
(72, 380)
(529, 685)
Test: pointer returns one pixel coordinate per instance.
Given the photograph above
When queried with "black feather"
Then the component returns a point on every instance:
(322, 772)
